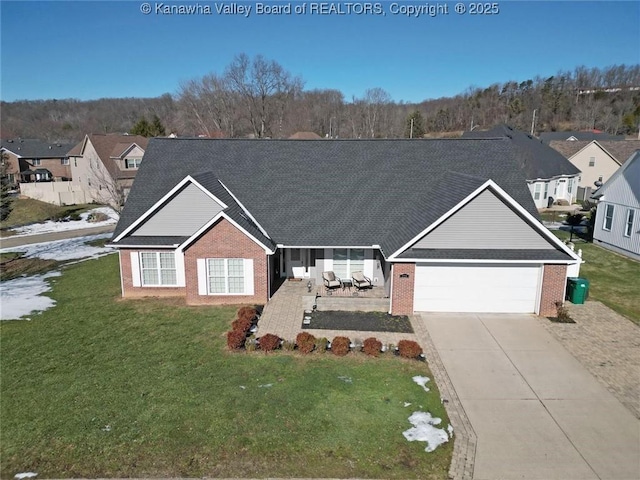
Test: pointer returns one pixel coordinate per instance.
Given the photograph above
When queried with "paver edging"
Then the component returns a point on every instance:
(465, 440)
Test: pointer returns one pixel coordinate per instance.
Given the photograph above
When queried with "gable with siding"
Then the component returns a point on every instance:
(182, 215)
(486, 222)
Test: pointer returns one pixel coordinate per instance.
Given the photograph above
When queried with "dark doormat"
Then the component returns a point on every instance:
(359, 321)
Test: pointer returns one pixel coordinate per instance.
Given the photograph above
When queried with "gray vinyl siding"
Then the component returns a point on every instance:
(484, 223)
(623, 193)
(183, 215)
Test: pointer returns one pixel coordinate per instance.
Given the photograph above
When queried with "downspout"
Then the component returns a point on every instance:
(391, 290)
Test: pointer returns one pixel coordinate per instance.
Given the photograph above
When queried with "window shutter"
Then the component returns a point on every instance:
(179, 263)
(135, 269)
(248, 276)
(202, 276)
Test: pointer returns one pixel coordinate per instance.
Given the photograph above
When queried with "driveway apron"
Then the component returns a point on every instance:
(536, 411)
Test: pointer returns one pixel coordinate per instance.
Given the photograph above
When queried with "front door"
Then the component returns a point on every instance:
(299, 263)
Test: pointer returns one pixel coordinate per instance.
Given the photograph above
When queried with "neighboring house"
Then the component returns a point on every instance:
(550, 176)
(104, 166)
(597, 160)
(617, 225)
(32, 160)
(441, 225)
(585, 136)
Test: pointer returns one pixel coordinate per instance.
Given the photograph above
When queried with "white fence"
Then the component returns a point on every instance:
(58, 193)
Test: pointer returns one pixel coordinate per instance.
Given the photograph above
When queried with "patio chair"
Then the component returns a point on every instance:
(331, 281)
(360, 281)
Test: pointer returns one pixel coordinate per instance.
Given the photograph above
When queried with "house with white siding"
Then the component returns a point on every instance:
(617, 224)
(438, 225)
(551, 178)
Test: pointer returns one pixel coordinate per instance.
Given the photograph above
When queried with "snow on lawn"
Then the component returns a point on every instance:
(50, 226)
(22, 296)
(425, 430)
(69, 249)
(424, 425)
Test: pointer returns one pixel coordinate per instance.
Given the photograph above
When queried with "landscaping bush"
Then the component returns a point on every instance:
(75, 217)
(321, 345)
(95, 217)
(306, 342)
(235, 339)
(247, 313)
(269, 342)
(372, 346)
(241, 324)
(340, 346)
(409, 349)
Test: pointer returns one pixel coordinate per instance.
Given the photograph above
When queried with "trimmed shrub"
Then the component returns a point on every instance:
(409, 349)
(247, 313)
(305, 342)
(241, 324)
(269, 342)
(372, 346)
(235, 339)
(340, 346)
(321, 345)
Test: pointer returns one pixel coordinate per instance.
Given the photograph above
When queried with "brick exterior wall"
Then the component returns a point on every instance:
(224, 240)
(554, 280)
(402, 294)
(128, 290)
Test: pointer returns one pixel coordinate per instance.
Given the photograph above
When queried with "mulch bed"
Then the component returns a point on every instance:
(359, 321)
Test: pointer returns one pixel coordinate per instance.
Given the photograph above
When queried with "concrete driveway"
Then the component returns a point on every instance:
(536, 411)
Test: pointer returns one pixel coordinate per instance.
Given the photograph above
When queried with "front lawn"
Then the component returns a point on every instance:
(614, 279)
(28, 210)
(103, 387)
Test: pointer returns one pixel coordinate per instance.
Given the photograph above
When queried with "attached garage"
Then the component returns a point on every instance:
(498, 288)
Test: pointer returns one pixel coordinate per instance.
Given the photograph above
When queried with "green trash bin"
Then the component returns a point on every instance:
(579, 290)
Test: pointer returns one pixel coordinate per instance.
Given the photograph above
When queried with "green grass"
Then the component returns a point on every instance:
(103, 387)
(613, 279)
(27, 210)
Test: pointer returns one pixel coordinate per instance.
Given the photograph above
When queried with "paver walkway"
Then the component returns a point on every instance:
(607, 344)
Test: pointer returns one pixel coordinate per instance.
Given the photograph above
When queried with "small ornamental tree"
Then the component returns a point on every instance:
(340, 346)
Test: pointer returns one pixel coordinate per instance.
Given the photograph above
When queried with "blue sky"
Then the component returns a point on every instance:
(96, 49)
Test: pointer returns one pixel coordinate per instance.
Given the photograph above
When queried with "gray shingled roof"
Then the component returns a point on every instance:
(547, 137)
(538, 160)
(331, 193)
(35, 148)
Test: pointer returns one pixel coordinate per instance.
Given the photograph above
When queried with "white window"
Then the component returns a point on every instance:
(158, 269)
(36, 162)
(546, 190)
(348, 260)
(64, 161)
(608, 218)
(536, 191)
(592, 161)
(628, 226)
(132, 163)
(226, 276)
(570, 185)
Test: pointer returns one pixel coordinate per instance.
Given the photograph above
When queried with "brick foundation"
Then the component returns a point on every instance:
(224, 240)
(554, 280)
(402, 294)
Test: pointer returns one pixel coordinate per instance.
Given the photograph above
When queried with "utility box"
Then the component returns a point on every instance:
(577, 290)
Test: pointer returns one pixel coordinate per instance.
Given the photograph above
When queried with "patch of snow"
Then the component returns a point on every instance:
(107, 428)
(243, 387)
(68, 249)
(51, 226)
(266, 385)
(345, 379)
(407, 404)
(450, 430)
(424, 430)
(422, 381)
(20, 476)
(22, 296)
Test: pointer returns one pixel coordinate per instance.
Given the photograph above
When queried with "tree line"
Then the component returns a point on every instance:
(257, 97)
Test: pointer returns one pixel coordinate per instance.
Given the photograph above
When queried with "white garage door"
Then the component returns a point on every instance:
(498, 289)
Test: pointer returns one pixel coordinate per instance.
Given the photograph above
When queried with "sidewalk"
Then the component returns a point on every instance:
(10, 242)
